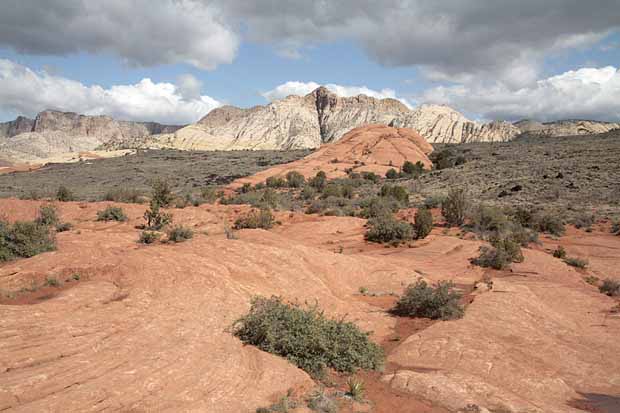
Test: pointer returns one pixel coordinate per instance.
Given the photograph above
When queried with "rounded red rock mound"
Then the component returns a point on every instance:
(372, 148)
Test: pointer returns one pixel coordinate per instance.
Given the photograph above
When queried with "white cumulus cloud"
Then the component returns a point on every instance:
(27, 92)
(303, 88)
(586, 93)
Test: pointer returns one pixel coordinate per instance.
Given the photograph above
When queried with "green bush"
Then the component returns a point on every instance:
(377, 207)
(370, 176)
(319, 181)
(576, 262)
(306, 337)
(162, 193)
(388, 229)
(308, 193)
(397, 192)
(423, 223)
(148, 237)
(504, 251)
(155, 219)
(332, 189)
(559, 252)
(48, 216)
(455, 207)
(412, 169)
(179, 233)
(434, 201)
(64, 194)
(446, 158)
(24, 240)
(275, 182)
(256, 219)
(549, 223)
(209, 194)
(487, 219)
(423, 300)
(126, 195)
(112, 213)
(391, 174)
(295, 180)
(584, 220)
(610, 287)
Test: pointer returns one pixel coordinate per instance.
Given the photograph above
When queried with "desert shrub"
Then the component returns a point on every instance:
(63, 226)
(397, 192)
(155, 218)
(265, 198)
(576, 262)
(63, 194)
(308, 193)
(306, 337)
(520, 235)
(370, 176)
(559, 252)
(256, 219)
(355, 389)
(434, 201)
(423, 223)
(162, 193)
(615, 227)
(610, 287)
(112, 213)
(347, 191)
(412, 169)
(295, 180)
(245, 188)
(24, 239)
(319, 181)
(391, 174)
(486, 219)
(549, 223)
(149, 237)
(126, 195)
(209, 194)
(503, 252)
(524, 216)
(423, 300)
(275, 182)
(332, 189)
(388, 229)
(47, 215)
(446, 158)
(584, 220)
(376, 207)
(179, 233)
(455, 207)
(31, 195)
(321, 402)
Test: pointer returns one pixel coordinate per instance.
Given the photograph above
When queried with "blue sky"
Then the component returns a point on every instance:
(248, 52)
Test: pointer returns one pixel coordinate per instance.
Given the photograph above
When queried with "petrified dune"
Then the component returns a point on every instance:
(145, 328)
(372, 148)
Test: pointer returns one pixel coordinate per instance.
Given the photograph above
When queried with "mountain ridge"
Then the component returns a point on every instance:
(294, 122)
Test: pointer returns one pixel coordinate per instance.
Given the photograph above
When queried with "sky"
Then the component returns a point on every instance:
(172, 61)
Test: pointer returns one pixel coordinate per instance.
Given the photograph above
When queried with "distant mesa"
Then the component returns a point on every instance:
(372, 148)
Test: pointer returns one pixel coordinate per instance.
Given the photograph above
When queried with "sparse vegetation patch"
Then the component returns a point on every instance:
(423, 300)
(306, 337)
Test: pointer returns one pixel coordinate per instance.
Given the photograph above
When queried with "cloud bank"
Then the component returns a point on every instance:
(26, 92)
(587, 93)
(141, 32)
